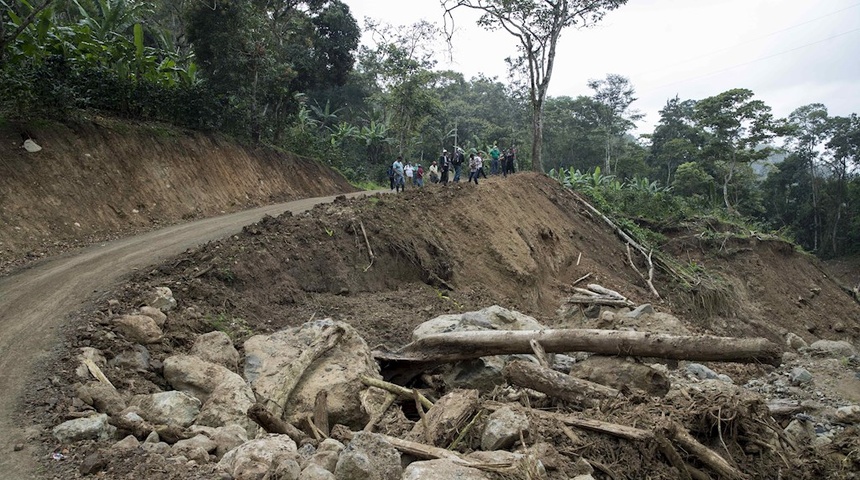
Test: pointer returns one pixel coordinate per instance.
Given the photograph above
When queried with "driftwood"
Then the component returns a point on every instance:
(456, 346)
(673, 456)
(556, 384)
(296, 369)
(377, 416)
(448, 415)
(541, 355)
(606, 300)
(272, 424)
(620, 431)
(97, 372)
(396, 389)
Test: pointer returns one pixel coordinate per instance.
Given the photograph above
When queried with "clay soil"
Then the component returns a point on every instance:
(518, 242)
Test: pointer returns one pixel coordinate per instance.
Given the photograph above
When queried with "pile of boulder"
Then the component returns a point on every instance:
(312, 402)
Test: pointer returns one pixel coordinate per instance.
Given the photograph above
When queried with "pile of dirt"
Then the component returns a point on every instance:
(99, 179)
(386, 264)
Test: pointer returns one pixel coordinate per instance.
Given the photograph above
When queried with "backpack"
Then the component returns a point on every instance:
(391, 171)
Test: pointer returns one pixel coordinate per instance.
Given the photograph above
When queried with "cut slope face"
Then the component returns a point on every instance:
(519, 242)
(95, 180)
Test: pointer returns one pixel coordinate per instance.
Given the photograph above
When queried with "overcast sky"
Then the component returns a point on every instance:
(789, 52)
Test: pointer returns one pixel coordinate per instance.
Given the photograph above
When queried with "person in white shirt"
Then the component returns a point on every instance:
(410, 171)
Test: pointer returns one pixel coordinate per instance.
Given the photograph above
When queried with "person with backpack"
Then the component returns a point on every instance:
(391, 176)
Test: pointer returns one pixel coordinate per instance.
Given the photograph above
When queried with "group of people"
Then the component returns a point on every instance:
(401, 174)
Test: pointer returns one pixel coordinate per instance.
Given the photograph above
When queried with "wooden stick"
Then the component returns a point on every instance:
(540, 353)
(396, 389)
(620, 431)
(466, 430)
(707, 456)
(586, 292)
(97, 372)
(582, 278)
(673, 456)
(367, 242)
(605, 291)
(389, 399)
(578, 259)
(599, 300)
(272, 424)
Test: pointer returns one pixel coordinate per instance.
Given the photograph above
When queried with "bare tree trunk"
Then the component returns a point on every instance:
(556, 384)
(537, 135)
(456, 346)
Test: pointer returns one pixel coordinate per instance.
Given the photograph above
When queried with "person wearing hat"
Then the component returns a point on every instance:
(444, 166)
(434, 172)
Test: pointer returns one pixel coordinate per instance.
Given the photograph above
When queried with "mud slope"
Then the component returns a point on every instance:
(519, 242)
(101, 178)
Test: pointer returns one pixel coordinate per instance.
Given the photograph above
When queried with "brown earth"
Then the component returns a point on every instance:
(518, 242)
(100, 179)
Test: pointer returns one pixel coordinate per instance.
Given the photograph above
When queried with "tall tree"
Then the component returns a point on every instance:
(615, 94)
(737, 127)
(844, 145)
(676, 138)
(808, 130)
(537, 26)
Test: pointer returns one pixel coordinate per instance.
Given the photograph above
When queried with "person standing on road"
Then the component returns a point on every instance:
(399, 183)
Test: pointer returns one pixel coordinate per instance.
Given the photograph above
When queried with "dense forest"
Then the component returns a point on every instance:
(293, 75)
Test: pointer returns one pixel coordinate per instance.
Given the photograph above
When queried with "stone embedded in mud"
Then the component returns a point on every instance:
(316, 472)
(136, 359)
(839, 348)
(254, 459)
(196, 448)
(503, 429)
(227, 438)
(368, 457)
(138, 328)
(216, 347)
(155, 314)
(442, 470)
(619, 373)
(326, 455)
(847, 415)
(127, 443)
(168, 408)
(95, 427)
(194, 376)
(101, 396)
(795, 341)
(799, 376)
(163, 299)
(271, 361)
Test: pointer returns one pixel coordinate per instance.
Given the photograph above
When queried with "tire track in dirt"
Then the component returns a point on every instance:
(34, 304)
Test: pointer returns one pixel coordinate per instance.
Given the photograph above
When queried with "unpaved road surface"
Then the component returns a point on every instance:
(34, 303)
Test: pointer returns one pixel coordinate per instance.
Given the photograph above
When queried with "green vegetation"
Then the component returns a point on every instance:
(291, 75)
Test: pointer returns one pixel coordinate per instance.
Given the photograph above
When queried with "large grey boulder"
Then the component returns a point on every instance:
(285, 358)
(482, 373)
(503, 429)
(216, 347)
(138, 328)
(255, 459)
(442, 470)
(368, 457)
(227, 438)
(832, 348)
(194, 375)
(847, 415)
(95, 427)
(137, 359)
(167, 408)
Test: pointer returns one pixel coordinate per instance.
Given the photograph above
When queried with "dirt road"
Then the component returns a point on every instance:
(34, 303)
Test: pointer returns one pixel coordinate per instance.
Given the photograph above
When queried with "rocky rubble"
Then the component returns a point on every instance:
(335, 417)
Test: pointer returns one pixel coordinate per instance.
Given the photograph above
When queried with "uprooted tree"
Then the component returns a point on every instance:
(537, 26)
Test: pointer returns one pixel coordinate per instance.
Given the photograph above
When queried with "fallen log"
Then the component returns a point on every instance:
(599, 300)
(707, 456)
(556, 384)
(456, 346)
(446, 418)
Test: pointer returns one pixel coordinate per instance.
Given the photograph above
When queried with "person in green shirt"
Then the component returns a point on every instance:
(495, 153)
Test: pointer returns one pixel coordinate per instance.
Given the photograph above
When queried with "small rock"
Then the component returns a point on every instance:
(31, 147)
(847, 415)
(368, 456)
(800, 376)
(503, 429)
(163, 299)
(95, 427)
(643, 309)
(795, 341)
(92, 464)
(18, 447)
(127, 443)
(155, 314)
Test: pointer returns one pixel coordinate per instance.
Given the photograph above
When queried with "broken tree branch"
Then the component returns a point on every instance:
(620, 431)
(272, 424)
(649, 280)
(556, 384)
(396, 389)
(707, 456)
(367, 242)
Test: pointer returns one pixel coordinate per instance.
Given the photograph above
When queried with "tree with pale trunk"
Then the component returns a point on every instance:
(537, 26)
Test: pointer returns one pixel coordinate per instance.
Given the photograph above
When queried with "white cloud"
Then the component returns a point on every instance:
(789, 52)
